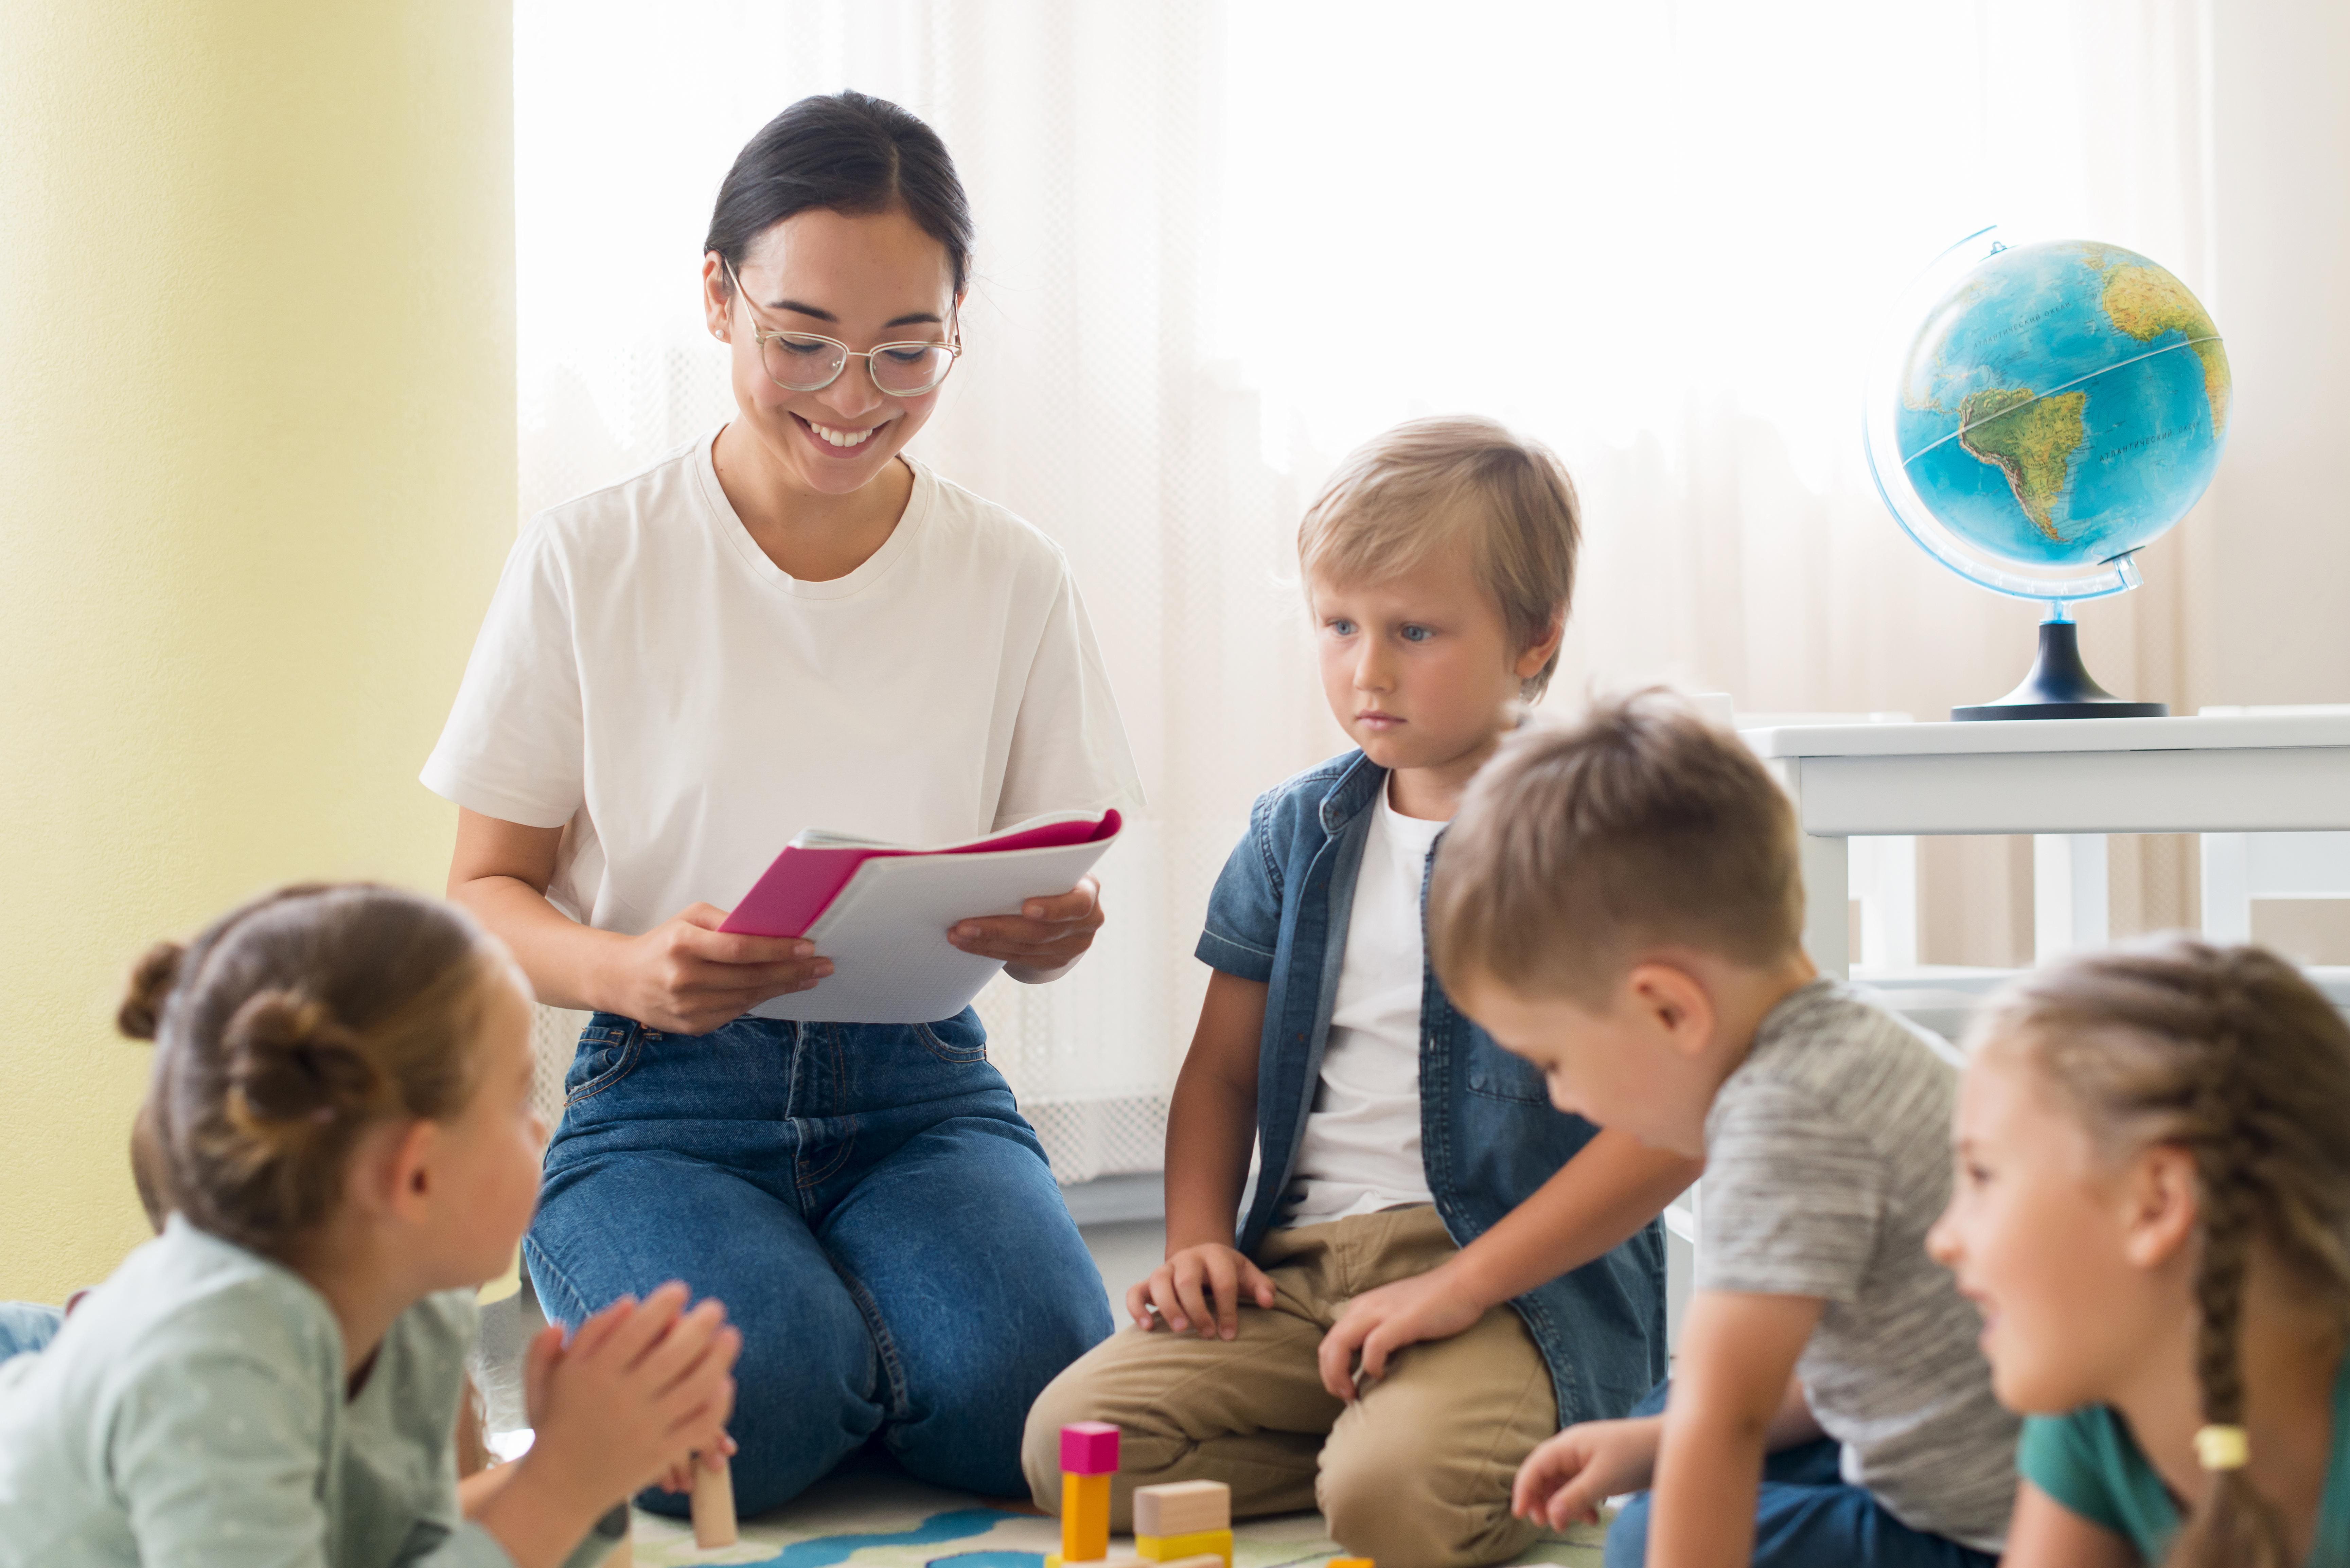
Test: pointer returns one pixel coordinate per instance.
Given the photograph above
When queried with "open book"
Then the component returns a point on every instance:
(880, 912)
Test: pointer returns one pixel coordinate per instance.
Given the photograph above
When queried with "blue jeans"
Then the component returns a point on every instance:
(1806, 1513)
(865, 1199)
(27, 1326)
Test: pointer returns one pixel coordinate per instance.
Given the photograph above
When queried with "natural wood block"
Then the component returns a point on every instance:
(713, 1505)
(1180, 1508)
(1085, 1518)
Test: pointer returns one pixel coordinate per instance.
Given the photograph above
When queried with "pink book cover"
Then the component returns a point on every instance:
(802, 882)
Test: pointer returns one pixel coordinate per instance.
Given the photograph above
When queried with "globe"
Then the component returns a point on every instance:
(2042, 411)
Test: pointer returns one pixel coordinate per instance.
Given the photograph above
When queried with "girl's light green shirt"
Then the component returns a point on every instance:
(193, 1412)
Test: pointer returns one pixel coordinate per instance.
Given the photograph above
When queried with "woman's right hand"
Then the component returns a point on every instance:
(1200, 1287)
(685, 976)
(640, 1387)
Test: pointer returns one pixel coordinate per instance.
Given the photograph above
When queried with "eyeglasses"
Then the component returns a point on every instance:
(806, 362)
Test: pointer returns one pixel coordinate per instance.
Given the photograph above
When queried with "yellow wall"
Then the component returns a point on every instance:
(256, 474)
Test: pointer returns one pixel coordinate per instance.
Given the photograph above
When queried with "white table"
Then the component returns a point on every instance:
(2070, 782)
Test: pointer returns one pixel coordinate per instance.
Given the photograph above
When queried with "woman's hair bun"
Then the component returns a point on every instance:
(290, 1060)
(151, 978)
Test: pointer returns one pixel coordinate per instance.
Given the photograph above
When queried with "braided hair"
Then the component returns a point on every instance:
(285, 1032)
(2231, 1055)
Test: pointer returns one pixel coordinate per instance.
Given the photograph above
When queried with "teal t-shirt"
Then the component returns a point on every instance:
(2088, 1461)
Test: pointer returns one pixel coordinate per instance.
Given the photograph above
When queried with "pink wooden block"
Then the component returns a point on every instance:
(1089, 1449)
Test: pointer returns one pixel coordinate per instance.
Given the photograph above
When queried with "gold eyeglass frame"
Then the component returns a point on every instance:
(760, 335)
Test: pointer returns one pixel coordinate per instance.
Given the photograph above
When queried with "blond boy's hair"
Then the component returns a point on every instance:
(1447, 483)
(1578, 847)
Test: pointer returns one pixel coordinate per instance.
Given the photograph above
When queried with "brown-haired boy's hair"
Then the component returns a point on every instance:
(1639, 826)
(1460, 479)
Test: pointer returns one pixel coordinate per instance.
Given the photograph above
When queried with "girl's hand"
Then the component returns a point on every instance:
(1563, 1481)
(1379, 1323)
(640, 1389)
(680, 1477)
(685, 976)
(1045, 937)
(1181, 1288)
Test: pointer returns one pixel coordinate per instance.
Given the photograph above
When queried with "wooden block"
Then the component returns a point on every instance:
(713, 1505)
(1163, 1549)
(1085, 1518)
(1348, 1562)
(1054, 1560)
(1089, 1449)
(1180, 1508)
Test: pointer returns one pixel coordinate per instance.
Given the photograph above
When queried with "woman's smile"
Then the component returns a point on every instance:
(835, 441)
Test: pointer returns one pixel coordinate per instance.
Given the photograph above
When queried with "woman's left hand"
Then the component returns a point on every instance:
(1045, 937)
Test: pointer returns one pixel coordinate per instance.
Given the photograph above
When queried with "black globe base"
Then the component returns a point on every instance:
(2060, 686)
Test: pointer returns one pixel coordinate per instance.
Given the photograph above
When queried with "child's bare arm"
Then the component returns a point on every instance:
(1729, 1401)
(1615, 1185)
(1211, 1128)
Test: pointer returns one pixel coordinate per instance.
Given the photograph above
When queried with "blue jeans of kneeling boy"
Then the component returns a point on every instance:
(1806, 1513)
(865, 1199)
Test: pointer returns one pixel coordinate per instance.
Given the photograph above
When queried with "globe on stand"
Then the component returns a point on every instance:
(2043, 411)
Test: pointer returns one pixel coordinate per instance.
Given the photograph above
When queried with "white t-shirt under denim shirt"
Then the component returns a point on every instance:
(1827, 1158)
(649, 680)
(1360, 1152)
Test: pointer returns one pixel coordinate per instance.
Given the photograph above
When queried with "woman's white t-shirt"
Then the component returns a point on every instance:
(649, 680)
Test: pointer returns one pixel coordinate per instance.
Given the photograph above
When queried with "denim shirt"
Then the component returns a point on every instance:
(1488, 1132)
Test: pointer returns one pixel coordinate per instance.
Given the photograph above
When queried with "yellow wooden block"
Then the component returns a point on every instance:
(1085, 1518)
(1165, 1549)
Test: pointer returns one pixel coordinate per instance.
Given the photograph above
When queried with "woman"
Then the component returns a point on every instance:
(793, 624)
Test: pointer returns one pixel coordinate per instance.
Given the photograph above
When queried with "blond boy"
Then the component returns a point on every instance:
(1619, 903)
(1433, 1269)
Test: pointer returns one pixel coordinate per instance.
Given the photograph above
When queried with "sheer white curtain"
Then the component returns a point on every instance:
(1221, 243)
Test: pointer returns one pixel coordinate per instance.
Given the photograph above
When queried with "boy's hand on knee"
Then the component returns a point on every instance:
(1563, 1481)
(1378, 1324)
(1200, 1287)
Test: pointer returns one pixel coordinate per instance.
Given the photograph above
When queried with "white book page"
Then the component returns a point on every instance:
(886, 932)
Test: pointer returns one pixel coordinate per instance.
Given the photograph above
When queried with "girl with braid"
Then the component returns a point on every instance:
(2152, 1209)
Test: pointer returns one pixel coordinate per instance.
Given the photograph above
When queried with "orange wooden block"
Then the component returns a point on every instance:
(1085, 1518)
(1348, 1562)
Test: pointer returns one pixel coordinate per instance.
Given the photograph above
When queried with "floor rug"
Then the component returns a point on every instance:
(871, 1515)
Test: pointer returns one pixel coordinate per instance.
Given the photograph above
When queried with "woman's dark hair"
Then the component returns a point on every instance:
(847, 152)
(283, 1032)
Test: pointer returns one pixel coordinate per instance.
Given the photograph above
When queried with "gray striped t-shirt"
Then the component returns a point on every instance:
(1827, 1157)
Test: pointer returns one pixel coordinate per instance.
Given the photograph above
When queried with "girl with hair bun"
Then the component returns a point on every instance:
(2152, 1209)
(340, 1142)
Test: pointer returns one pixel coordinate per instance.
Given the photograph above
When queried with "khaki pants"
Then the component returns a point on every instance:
(1416, 1473)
